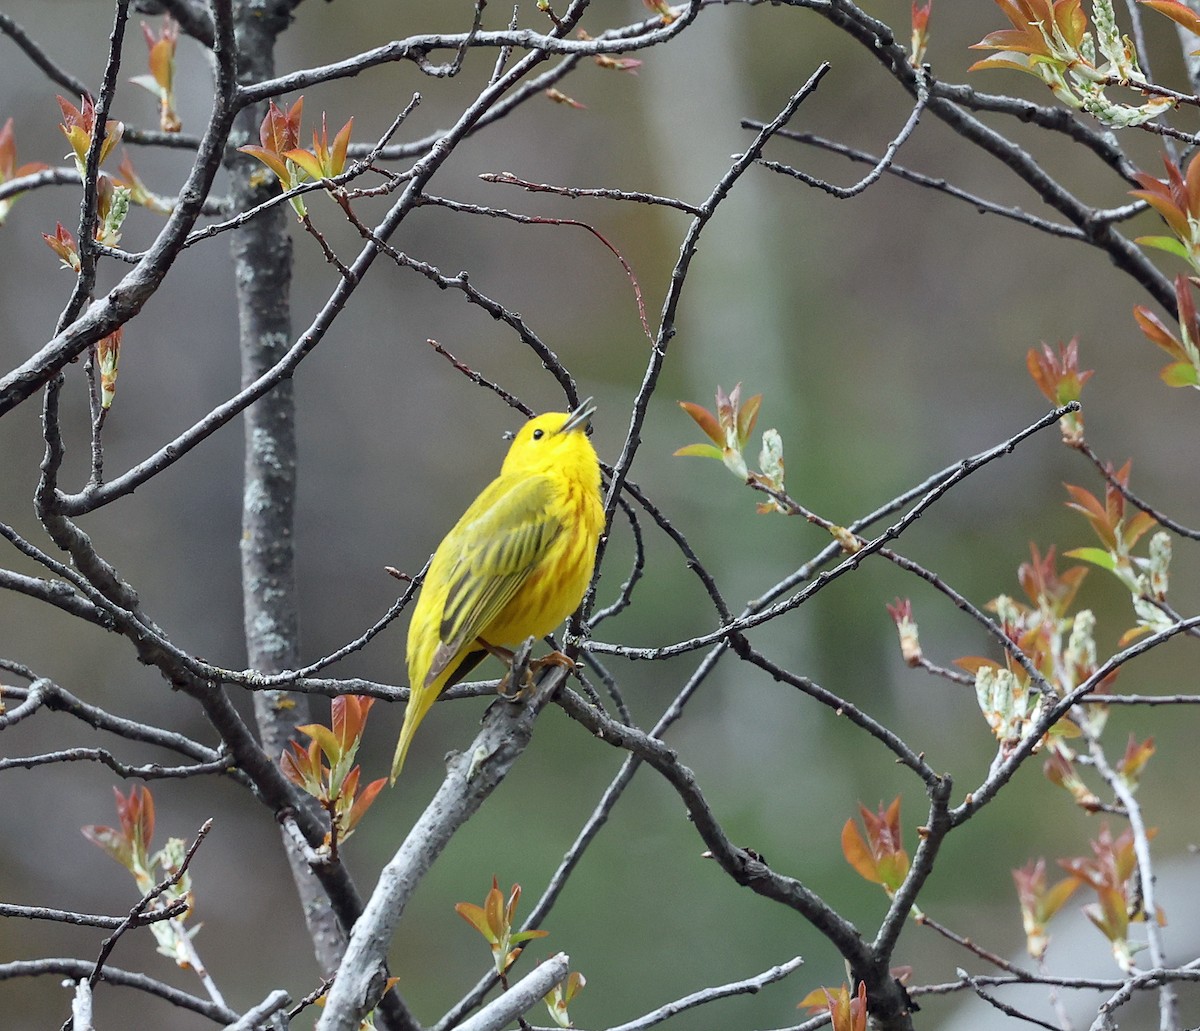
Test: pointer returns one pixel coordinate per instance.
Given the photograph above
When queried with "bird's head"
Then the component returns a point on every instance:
(556, 440)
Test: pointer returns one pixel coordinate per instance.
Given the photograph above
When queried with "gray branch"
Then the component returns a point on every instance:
(521, 997)
(471, 777)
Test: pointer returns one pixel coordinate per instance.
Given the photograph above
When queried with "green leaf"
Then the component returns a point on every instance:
(1096, 556)
(1053, 900)
(524, 936)
(1162, 243)
(326, 740)
(309, 162)
(1180, 374)
(702, 451)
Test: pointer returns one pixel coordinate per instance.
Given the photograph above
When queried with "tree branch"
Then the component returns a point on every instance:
(471, 777)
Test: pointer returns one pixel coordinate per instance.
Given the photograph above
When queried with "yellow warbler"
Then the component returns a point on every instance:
(514, 566)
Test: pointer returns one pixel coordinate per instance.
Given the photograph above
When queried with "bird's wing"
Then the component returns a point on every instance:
(497, 547)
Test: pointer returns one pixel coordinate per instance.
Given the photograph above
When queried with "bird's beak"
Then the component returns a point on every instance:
(580, 418)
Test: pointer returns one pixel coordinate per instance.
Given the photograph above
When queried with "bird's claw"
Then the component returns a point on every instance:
(524, 671)
(553, 659)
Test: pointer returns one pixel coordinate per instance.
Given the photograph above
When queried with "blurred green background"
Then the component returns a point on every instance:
(888, 335)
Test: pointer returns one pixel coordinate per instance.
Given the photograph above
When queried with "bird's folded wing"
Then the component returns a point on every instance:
(497, 546)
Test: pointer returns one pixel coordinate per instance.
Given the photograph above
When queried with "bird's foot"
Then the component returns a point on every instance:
(523, 672)
(553, 659)
(518, 670)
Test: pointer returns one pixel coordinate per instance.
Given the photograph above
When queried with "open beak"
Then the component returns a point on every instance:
(581, 418)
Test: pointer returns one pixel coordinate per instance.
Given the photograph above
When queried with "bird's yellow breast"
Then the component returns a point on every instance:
(556, 584)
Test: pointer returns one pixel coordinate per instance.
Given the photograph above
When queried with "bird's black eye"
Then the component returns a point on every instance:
(538, 434)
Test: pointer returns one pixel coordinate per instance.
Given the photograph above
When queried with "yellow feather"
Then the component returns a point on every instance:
(514, 566)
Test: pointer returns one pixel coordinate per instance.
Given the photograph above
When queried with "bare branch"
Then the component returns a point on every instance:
(625, 592)
(1110, 478)
(509, 399)
(575, 192)
(416, 48)
(904, 754)
(975, 949)
(521, 997)
(1140, 982)
(981, 204)
(474, 296)
(448, 71)
(879, 41)
(56, 593)
(176, 908)
(749, 985)
(881, 166)
(40, 58)
(57, 699)
(148, 771)
(254, 1017)
(1006, 1009)
(737, 862)
(80, 969)
(478, 209)
(1168, 1000)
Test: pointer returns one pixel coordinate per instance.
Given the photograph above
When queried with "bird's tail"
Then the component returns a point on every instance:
(419, 703)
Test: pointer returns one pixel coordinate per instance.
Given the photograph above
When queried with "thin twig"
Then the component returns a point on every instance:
(980, 203)
(887, 737)
(975, 949)
(39, 57)
(174, 909)
(749, 985)
(881, 166)
(1006, 1009)
(1110, 478)
(539, 46)
(148, 771)
(625, 592)
(77, 969)
(575, 192)
(509, 399)
(538, 220)
(256, 1016)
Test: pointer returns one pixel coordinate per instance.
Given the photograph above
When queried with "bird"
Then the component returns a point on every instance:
(514, 566)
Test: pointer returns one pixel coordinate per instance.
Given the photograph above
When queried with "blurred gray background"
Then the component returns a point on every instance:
(888, 335)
